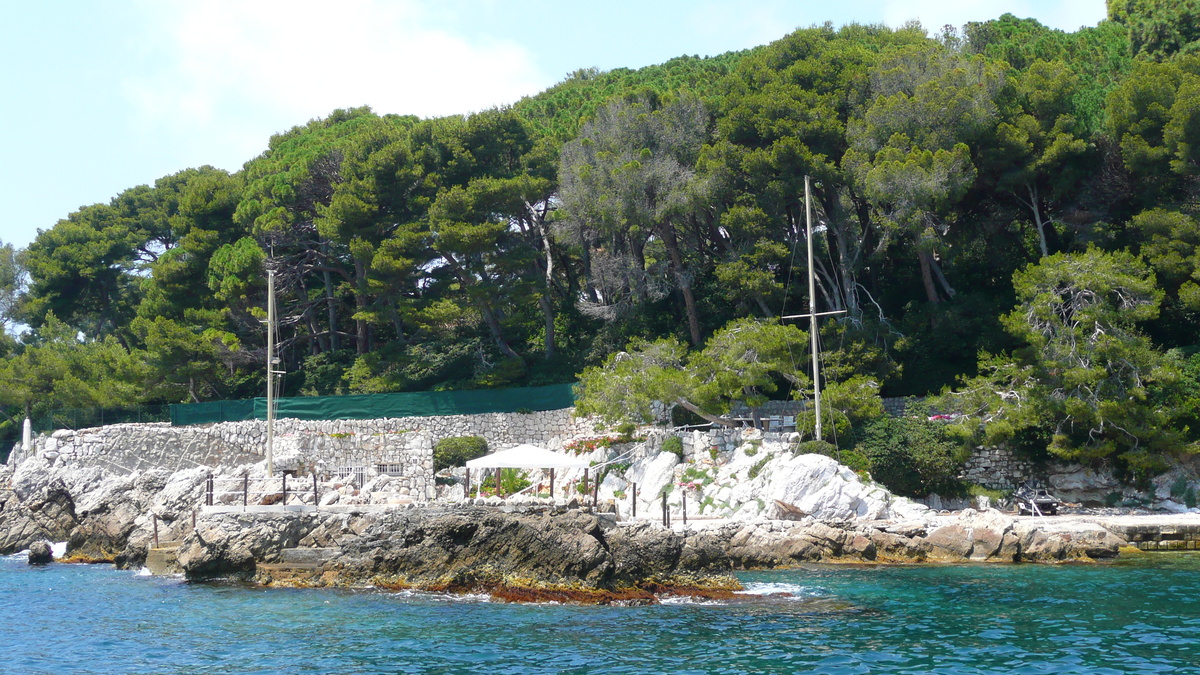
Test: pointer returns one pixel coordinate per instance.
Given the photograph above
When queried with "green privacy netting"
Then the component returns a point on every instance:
(372, 406)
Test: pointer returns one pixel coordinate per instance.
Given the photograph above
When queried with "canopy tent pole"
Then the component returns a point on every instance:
(551, 483)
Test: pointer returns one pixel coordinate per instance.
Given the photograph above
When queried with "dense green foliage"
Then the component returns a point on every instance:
(912, 457)
(643, 230)
(457, 451)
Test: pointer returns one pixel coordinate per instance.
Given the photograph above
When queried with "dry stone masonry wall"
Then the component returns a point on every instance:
(353, 450)
(997, 468)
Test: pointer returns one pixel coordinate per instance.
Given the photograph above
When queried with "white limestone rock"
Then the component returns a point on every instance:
(652, 475)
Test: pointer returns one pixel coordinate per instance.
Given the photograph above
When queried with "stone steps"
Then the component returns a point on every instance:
(304, 556)
(163, 560)
(1159, 534)
(296, 566)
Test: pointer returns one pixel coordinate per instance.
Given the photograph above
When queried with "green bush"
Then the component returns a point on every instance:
(912, 457)
(850, 457)
(513, 480)
(758, 467)
(457, 450)
(674, 445)
(1182, 491)
(975, 490)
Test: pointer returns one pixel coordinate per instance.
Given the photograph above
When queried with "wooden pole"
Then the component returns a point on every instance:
(154, 517)
(585, 481)
(683, 496)
(666, 517)
(245, 490)
(551, 483)
(316, 501)
(595, 493)
(498, 488)
(285, 489)
(193, 519)
(467, 485)
(634, 501)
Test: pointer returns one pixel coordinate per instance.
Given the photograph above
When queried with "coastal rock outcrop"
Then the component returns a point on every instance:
(453, 549)
(231, 545)
(750, 481)
(40, 553)
(33, 510)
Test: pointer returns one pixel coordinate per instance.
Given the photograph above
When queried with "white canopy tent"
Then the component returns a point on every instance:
(524, 456)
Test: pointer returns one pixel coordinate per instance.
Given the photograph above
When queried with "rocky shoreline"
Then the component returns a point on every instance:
(535, 550)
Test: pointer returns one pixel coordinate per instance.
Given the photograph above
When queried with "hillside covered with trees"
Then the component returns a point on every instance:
(1008, 211)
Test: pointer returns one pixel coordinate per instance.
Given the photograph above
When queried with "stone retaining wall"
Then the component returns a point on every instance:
(997, 468)
(354, 450)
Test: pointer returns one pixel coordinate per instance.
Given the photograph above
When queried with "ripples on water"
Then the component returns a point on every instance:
(1139, 617)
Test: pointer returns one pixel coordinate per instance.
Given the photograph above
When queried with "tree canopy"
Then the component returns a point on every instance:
(645, 224)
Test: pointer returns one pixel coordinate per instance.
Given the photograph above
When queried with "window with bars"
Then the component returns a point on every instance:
(389, 469)
(355, 475)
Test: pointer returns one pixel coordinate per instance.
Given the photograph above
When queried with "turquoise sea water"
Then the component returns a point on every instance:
(1136, 617)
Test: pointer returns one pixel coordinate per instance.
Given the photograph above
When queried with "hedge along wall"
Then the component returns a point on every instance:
(380, 406)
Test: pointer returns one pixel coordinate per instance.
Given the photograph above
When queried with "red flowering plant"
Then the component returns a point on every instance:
(581, 445)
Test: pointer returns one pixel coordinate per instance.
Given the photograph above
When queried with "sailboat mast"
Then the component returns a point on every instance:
(270, 372)
(812, 306)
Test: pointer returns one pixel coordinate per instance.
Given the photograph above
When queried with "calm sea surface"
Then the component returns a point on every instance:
(1132, 617)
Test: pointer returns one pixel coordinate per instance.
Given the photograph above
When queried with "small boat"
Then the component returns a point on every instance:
(1035, 501)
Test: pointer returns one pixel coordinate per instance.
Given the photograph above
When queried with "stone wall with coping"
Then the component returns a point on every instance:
(354, 450)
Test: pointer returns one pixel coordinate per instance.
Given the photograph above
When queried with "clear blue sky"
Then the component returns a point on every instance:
(103, 95)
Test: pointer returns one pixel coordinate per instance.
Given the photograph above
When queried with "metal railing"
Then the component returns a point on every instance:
(236, 491)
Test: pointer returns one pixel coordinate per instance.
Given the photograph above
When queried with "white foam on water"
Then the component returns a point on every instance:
(144, 572)
(58, 549)
(436, 597)
(775, 588)
(685, 600)
(19, 555)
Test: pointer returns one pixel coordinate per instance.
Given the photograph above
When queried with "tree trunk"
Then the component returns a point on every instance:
(493, 324)
(926, 259)
(319, 344)
(548, 276)
(331, 308)
(397, 325)
(589, 288)
(715, 419)
(1037, 218)
(682, 281)
(362, 329)
(548, 313)
(639, 281)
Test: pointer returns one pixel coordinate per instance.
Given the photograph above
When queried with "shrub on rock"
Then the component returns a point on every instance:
(673, 445)
(457, 451)
(852, 458)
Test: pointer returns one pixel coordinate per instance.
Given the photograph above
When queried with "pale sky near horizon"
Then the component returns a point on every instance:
(104, 95)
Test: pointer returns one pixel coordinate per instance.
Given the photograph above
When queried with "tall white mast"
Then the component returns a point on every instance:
(270, 372)
(812, 306)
